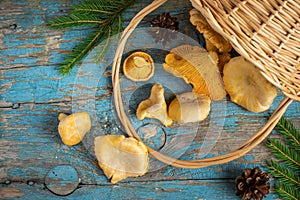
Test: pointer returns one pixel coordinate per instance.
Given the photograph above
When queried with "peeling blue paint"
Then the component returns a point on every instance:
(30, 144)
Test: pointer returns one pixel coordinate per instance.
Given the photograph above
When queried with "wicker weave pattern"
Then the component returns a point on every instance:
(266, 32)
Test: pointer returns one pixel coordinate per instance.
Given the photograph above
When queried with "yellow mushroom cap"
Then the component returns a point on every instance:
(189, 107)
(246, 86)
(155, 107)
(121, 157)
(138, 66)
(197, 67)
(214, 41)
(73, 128)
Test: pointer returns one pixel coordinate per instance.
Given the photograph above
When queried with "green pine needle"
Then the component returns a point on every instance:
(104, 15)
(287, 192)
(286, 170)
(102, 47)
(290, 132)
(80, 51)
(74, 20)
(285, 175)
(284, 153)
(100, 8)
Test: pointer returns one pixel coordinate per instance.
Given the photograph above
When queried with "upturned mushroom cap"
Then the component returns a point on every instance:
(121, 157)
(189, 107)
(73, 128)
(138, 66)
(155, 107)
(246, 86)
(197, 67)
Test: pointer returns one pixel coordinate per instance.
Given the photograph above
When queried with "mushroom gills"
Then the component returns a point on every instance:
(138, 66)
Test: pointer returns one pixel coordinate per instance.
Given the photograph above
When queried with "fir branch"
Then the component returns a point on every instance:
(92, 8)
(287, 152)
(103, 46)
(119, 27)
(74, 20)
(285, 175)
(99, 7)
(287, 192)
(290, 132)
(80, 51)
(284, 153)
(104, 15)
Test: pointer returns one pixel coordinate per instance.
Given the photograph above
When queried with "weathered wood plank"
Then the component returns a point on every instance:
(33, 93)
(26, 41)
(30, 146)
(186, 189)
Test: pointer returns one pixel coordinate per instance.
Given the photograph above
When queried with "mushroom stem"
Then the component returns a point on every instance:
(155, 107)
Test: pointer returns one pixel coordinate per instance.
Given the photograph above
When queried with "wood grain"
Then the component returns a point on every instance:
(186, 189)
(33, 93)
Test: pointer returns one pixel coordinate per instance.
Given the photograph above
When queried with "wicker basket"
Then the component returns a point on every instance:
(267, 33)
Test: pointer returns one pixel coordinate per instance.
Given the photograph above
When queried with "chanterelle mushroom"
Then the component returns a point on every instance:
(197, 67)
(73, 128)
(246, 86)
(214, 41)
(155, 107)
(189, 107)
(138, 66)
(121, 157)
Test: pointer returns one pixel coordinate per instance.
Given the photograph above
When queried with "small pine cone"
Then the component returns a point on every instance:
(252, 184)
(162, 22)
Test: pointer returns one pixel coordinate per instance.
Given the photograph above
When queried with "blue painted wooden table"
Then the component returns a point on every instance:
(35, 164)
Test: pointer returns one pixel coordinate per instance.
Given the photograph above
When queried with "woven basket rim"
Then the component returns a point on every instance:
(240, 151)
(251, 27)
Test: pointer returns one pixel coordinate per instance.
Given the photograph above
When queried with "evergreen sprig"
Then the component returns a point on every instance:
(284, 153)
(105, 18)
(80, 51)
(75, 19)
(285, 174)
(290, 132)
(287, 192)
(287, 166)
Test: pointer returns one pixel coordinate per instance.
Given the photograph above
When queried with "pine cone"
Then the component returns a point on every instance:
(252, 184)
(160, 24)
